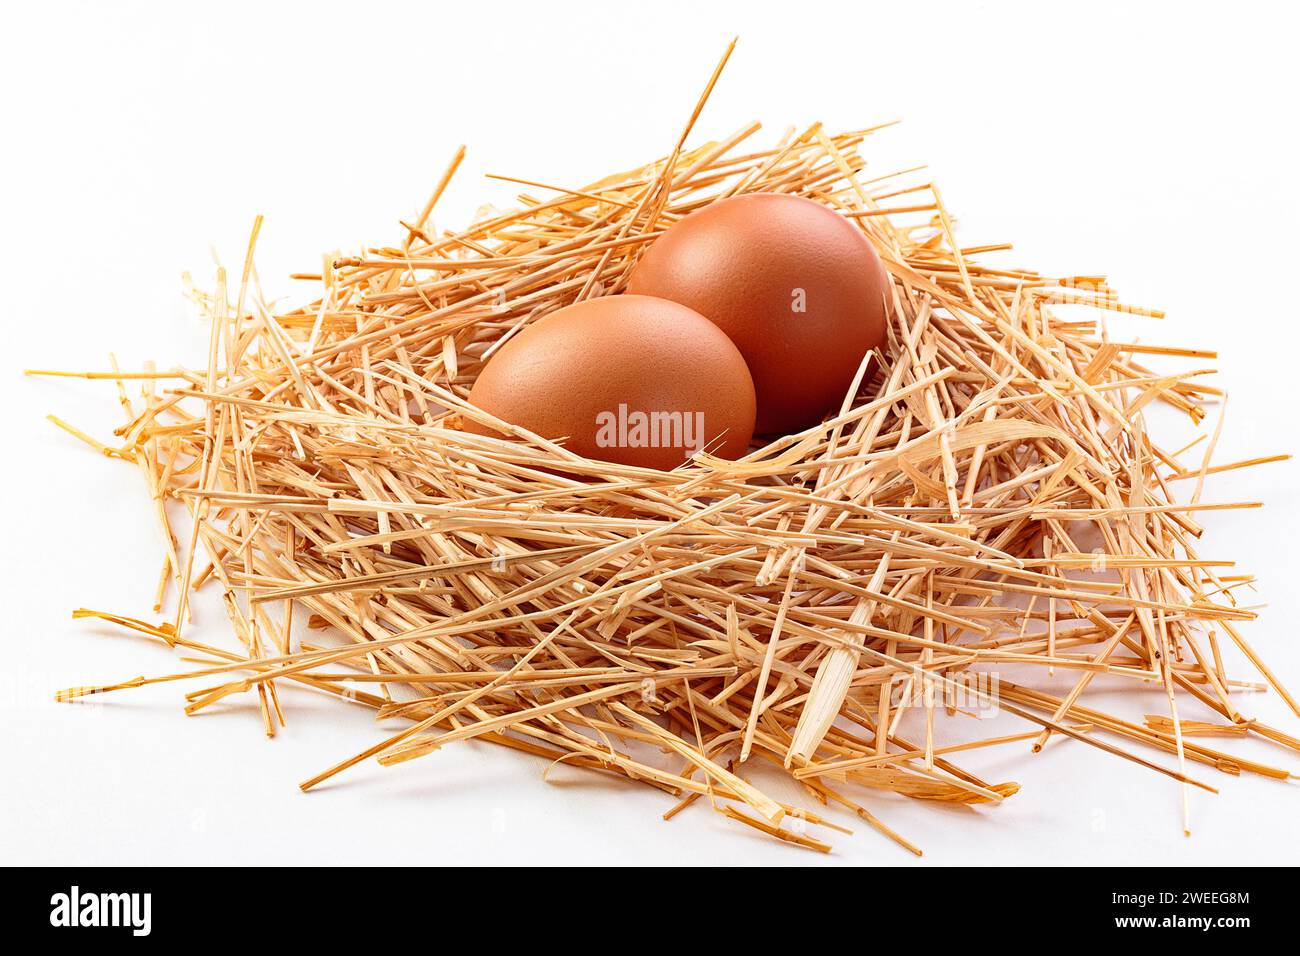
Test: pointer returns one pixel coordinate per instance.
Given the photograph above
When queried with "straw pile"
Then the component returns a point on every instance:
(987, 496)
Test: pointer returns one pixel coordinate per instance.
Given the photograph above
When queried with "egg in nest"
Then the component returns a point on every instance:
(629, 379)
(796, 286)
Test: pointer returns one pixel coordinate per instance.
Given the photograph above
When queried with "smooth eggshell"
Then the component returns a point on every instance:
(749, 263)
(567, 375)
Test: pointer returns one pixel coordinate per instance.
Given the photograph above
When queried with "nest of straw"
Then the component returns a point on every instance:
(987, 495)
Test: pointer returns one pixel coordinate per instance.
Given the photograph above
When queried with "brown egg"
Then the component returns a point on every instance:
(625, 378)
(795, 285)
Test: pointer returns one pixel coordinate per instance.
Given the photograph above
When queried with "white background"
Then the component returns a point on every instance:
(1154, 144)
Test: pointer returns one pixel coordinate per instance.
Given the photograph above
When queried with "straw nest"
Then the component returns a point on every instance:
(987, 495)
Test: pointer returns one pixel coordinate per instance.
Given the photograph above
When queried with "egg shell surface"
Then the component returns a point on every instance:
(630, 379)
(795, 285)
